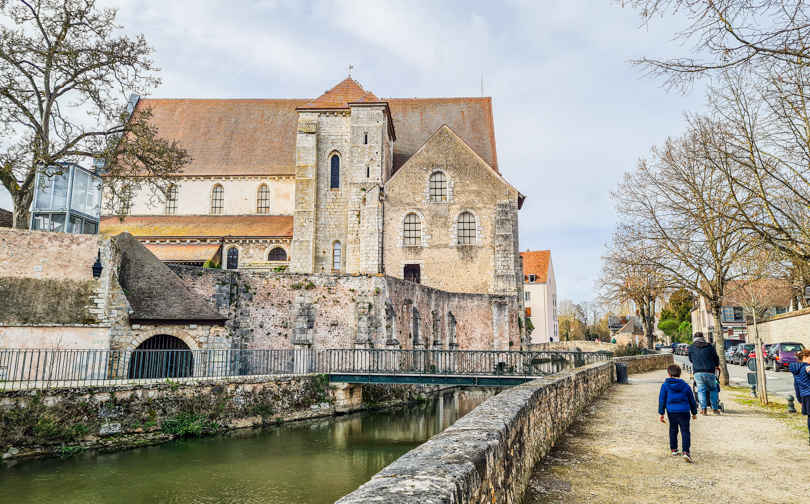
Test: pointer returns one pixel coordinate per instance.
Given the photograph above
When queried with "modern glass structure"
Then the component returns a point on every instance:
(67, 202)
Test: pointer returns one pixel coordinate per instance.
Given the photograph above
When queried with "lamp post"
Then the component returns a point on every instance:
(97, 267)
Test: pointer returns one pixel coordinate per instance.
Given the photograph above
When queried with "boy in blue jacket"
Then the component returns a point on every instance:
(677, 399)
(801, 382)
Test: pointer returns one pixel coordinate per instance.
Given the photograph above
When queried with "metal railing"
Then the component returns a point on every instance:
(41, 368)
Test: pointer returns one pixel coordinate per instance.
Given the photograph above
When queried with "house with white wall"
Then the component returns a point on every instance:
(540, 295)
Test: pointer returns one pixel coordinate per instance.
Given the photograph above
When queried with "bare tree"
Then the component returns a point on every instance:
(64, 80)
(630, 274)
(679, 204)
(725, 34)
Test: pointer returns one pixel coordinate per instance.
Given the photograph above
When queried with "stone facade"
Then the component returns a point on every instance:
(793, 327)
(491, 263)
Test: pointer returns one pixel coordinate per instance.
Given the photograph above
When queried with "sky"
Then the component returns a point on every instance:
(571, 112)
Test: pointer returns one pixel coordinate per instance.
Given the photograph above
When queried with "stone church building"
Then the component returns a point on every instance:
(347, 183)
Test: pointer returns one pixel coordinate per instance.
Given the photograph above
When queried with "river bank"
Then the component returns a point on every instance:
(58, 422)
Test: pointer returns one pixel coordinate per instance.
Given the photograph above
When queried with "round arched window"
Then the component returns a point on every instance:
(263, 199)
(466, 229)
(233, 258)
(412, 232)
(217, 199)
(277, 254)
(438, 188)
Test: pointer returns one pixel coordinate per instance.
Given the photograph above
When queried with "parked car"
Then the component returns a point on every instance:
(658, 346)
(732, 342)
(741, 354)
(730, 353)
(780, 355)
(683, 349)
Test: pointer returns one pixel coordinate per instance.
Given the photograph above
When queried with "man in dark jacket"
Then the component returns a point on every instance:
(704, 361)
(677, 400)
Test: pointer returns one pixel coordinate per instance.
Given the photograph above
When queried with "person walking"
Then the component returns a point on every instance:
(677, 400)
(801, 382)
(704, 361)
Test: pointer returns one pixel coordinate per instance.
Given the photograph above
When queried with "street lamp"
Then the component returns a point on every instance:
(97, 267)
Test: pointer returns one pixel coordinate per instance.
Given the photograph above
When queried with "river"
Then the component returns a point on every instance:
(316, 461)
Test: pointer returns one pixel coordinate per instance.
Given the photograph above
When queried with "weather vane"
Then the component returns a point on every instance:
(350, 70)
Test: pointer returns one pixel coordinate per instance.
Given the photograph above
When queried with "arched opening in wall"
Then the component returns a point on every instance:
(277, 254)
(334, 180)
(233, 258)
(415, 322)
(161, 356)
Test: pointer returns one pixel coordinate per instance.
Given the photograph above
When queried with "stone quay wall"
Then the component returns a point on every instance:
(644, 363)
(39, 423)
(488, 455)
(569, 346)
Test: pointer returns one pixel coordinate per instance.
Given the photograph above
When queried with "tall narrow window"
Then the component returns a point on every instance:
(277, 254)
(365, 138)
(233, 258)
(368, 171)
(336, 253)
(217, 197)
(263, 200)
(412, 236)
(335, 178)
(438, 187)
(171, 201)
(466, 229)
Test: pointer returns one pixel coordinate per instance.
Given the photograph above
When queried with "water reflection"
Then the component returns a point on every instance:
(312, 462)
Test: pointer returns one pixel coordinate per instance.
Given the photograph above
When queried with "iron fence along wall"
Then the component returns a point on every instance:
(45, 368)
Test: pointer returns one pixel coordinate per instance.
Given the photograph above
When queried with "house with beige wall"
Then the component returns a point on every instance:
(540, 295)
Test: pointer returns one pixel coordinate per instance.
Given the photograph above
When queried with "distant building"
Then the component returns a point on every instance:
(617, 322)
(630, 334)
(540, 295)
(777, 294)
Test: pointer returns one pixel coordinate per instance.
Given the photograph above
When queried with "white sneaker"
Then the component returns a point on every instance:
(686, 457)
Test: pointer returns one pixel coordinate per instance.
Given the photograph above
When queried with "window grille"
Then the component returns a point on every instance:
(233, 258)
(277, 254)
(336, 252)
(413, 273)
(171, 201)
(466, 230)
(335, 179)
(217, 197)
(263, 200)
(413, 230)
(438, 187)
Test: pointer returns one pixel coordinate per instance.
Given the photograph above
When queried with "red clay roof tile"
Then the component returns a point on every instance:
(338, 97)
(536, 263)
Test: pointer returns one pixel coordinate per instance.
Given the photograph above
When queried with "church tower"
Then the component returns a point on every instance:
(344, 150)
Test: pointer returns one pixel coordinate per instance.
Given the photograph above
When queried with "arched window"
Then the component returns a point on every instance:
(438, 188)
(334, 182)
(217, 199)
(412, 236)
(336, 256)
(170, 207)
(277, 254)
(175, 361)
(466, 229)
(263, 200)
(233, 258)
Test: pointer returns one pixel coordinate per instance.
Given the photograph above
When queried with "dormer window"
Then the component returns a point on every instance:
(532, 278)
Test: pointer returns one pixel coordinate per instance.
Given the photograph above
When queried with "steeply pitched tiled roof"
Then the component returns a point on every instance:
(765, 292)
(417, 119)
(183, 252)
(230, 137)
(536, 263)
(6, 218)
(155, 293)
(200, 225)
(339, 97)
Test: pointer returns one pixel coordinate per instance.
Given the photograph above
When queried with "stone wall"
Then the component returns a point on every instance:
(282, 310)
(488, 455)
(644, 363)
(569, 346)
(791, 327)
(35, 424)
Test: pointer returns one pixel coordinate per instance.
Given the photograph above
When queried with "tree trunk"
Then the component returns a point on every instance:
(719, 345)
(22, 202)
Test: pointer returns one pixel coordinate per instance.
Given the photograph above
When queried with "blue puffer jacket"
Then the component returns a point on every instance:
(801, 379)
(676, 397)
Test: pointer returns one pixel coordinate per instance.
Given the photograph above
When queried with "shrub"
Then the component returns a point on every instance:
(188, 425)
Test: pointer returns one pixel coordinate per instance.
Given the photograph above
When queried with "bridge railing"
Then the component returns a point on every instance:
(46, 368)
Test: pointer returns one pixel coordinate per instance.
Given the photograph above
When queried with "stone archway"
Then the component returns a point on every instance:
(176, 331)
(161, 356)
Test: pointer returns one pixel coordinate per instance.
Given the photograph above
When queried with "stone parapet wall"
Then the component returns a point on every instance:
(791, 327)
(488, 455)
(569, 346)
(644, 363)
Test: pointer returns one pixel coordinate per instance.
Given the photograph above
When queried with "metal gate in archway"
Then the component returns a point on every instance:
(161, 356)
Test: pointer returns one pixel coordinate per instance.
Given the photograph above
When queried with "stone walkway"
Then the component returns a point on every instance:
(618, 452)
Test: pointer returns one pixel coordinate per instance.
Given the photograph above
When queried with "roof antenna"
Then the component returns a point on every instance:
(350, 70)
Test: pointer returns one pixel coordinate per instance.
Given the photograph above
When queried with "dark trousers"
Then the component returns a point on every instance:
(679, 420)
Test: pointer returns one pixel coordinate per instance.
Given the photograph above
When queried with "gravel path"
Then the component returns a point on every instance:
(618, 452)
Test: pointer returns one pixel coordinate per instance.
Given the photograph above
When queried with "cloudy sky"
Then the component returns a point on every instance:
(571, 113)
